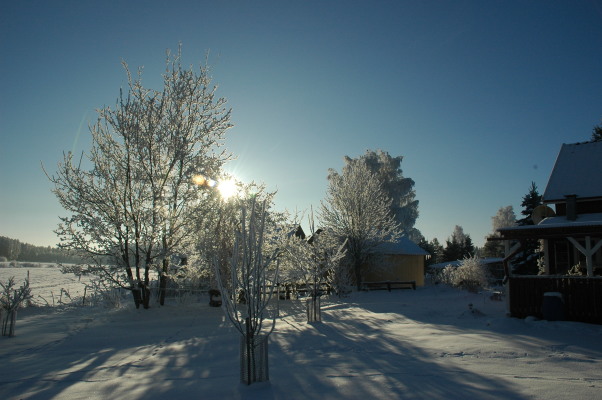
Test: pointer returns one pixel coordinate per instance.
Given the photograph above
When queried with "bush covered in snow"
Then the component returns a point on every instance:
(471, 275)
(444, 276)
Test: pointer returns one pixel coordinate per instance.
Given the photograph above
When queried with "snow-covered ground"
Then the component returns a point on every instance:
(405, 344)
(48, 284)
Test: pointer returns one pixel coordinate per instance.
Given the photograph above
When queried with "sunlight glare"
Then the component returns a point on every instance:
(200, 180)
(227, 188)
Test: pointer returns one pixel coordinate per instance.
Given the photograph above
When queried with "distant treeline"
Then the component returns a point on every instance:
(13, 249)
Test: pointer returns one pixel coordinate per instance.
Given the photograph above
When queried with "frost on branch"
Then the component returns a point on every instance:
(131, 199)
(246, 299)
(357, 209)
(314, 262)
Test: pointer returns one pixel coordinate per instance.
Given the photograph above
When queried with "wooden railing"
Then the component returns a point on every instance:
(582, 296)
(388, 285)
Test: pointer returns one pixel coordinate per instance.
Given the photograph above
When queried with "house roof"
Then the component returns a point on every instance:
(576, 172)
(402, 246)
(558, 226)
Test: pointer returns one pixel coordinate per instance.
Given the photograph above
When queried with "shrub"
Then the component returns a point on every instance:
(471, 275)
(444, 276)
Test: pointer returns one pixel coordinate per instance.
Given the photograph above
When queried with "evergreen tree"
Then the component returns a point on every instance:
(434, 248)
(597, 133)
(437, 250)
(526, 261)
(530, 201)
(459, 246)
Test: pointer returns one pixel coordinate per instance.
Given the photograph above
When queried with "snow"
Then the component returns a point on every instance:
(594, 219)
(583, 220)
(49, 286)
(432, 343)
(403, 245)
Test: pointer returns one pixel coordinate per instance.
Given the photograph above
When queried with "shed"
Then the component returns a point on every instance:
(402, 260)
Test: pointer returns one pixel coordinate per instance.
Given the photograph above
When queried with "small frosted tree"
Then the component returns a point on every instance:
(312, 261)
(246, 299)
(215, 235)
(472, 274)
(11, 299)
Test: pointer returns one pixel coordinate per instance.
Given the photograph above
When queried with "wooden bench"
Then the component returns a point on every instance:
(389, 285)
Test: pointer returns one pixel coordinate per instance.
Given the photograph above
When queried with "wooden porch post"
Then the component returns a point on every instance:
(588, 251)
(509, 253)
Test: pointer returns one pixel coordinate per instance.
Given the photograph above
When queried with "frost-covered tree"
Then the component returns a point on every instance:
(11, 299)
(215, 236)
(246, 297)
(472, 274)
(313, 261)
(504, 218)
(134, 196)
(357, 209)
(387, 169)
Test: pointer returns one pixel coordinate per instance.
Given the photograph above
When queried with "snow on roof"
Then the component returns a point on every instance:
(402, 246)
(576, 172)
(583, 220)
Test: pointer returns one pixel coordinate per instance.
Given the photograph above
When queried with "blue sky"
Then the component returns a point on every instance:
(477, 96)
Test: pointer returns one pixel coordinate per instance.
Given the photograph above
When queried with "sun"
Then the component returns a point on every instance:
(227, 188)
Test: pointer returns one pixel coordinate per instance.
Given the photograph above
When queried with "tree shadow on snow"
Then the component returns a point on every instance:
(352, 356)
(167, 352)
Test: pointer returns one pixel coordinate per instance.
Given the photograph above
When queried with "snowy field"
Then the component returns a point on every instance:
(423, 344)
(49, 286)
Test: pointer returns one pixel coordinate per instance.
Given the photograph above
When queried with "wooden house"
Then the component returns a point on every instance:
(569, 224)
(401, 261)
